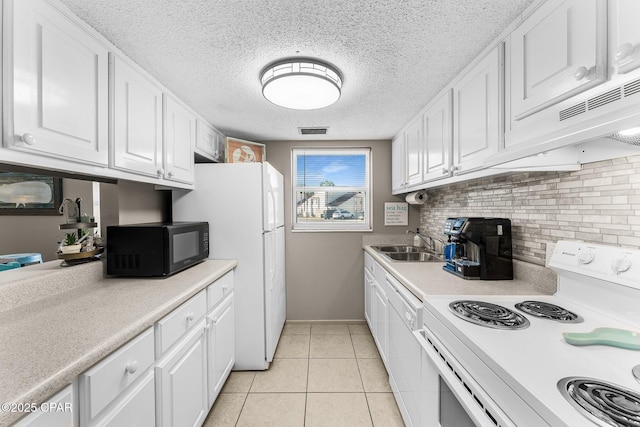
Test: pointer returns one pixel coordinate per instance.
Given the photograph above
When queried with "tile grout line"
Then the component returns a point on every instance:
(364, 391)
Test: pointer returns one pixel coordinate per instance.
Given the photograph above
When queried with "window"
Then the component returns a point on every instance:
(331, 189)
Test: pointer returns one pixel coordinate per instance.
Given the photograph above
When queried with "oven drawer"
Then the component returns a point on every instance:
(479, 408)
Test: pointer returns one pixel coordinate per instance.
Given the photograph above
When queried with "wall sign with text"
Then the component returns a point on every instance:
(396, 213)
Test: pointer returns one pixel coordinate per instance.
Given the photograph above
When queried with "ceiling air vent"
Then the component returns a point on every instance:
(313, 131)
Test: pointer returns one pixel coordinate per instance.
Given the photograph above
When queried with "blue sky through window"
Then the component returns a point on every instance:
(342, 170)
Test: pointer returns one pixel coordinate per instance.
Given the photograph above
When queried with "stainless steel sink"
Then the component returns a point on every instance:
(408, 253)
(399, 248)
(413, 256)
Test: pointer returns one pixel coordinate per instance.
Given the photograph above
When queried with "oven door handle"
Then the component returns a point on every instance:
(483, 416)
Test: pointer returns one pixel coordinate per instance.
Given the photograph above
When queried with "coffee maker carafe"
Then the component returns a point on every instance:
(479, 248)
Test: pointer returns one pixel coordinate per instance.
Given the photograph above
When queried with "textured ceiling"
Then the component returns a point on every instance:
(395, 55)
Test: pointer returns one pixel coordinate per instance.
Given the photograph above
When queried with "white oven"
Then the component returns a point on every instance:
(450, 397)
(520, 369)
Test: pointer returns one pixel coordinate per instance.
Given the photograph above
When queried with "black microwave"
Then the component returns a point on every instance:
(155, 249)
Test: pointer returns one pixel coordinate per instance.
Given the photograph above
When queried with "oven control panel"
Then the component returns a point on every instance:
(611, 263)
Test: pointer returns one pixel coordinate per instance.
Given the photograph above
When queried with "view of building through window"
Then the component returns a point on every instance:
(331, 189)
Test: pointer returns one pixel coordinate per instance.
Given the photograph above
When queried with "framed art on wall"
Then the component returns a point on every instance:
(241, 151)
(29, 194)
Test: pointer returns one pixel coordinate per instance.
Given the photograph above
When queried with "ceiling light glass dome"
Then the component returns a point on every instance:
(301, 84)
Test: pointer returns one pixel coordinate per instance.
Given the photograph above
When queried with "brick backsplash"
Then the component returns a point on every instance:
(599, 204)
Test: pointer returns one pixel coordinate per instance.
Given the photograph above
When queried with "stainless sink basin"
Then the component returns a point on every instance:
(413, 256)
(408, 253)
(399, 248)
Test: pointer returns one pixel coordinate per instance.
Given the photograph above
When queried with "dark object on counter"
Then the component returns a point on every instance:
(156, 249)
(479, 248)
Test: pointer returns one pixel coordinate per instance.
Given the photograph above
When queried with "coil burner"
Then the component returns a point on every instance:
(549, 311)
(617, 406)
(489, 315)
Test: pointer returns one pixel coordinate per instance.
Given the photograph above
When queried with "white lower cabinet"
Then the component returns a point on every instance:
(221, 334)
(380, 321)
(181, 382)
(134, 408)
(105, 388)
(169, 375)
(221, 346)
(58, 412)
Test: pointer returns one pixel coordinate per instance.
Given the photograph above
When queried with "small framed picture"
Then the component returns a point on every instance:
(241, 151)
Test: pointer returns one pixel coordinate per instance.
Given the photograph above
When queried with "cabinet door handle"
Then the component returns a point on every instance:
(160, 172)
(623, 51)
(445, 171)
(190, 316)
(455, 168)
(132, 367)
(581, 73)
(170, 174)
(28, 138)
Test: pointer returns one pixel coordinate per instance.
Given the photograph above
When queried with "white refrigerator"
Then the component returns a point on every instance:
(244, 205)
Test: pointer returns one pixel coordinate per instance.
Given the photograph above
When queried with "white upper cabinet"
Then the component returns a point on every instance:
(60, 86)
(398, 164)
(137, 121)
(624, 35)
(179, 140)
(210, 143)
(414, 151)
(558, 52)
(437, 126)
(478, 113)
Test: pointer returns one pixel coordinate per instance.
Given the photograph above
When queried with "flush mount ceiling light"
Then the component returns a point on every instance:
(629, 136)
(301, 84)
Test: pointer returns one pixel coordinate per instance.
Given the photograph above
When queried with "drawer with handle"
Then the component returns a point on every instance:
(219, 289)
(102, 383)
(174, 325)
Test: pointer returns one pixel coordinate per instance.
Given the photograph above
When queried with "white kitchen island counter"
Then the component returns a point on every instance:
(426, 279)
(52, 336)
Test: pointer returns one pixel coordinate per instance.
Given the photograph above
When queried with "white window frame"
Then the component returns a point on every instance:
(332, 226)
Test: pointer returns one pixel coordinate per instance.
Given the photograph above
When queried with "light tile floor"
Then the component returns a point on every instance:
(322, 375)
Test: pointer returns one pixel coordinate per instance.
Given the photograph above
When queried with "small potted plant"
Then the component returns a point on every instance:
(69, 245)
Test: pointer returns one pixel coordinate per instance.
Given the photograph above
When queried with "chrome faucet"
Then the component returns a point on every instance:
(431, 243)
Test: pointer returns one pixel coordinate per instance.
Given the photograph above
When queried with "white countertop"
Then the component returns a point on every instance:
(426, 279)
(50, 340)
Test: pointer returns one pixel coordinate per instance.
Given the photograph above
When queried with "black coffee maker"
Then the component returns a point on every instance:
(479, 248)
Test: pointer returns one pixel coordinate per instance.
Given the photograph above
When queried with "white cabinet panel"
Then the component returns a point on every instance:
(179, 140)
(380, 321)
(135, 408)
(398, 165)
(477, 116)
(137, 121)
(438, 138)
(559, 51)
(624, 35)
(221, 346)
(209, 142)
(182, 382)
(60, 86)
(368, 297)
(62, 416)
(414, 151)
(102, 383)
